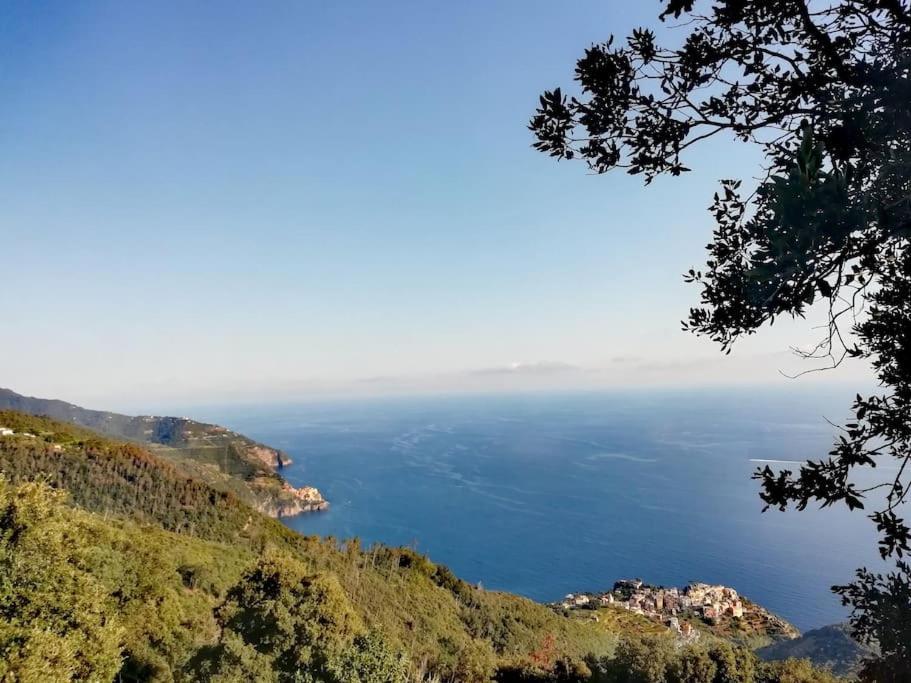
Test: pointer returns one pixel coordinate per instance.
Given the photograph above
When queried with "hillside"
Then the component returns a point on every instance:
(227, 461)
(167, 549)
(114, 565)
(830, 647)
(115, 477)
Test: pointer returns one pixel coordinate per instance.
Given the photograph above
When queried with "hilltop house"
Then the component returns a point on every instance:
(572, 600)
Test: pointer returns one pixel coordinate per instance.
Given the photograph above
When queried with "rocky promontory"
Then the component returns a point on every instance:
(289, 501)
(224, 459)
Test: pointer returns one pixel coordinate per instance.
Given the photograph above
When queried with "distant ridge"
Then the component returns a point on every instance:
(831, 647)
(226, 460)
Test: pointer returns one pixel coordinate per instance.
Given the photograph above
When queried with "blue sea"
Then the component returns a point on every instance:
(548, 494)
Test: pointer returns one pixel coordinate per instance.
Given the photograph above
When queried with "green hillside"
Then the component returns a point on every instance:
(114, 565)
(223, 459)
(122, 478)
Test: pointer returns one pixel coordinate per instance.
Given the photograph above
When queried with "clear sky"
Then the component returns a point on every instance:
(243, 201)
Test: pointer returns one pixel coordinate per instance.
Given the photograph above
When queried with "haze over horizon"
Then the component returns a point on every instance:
(236, 202)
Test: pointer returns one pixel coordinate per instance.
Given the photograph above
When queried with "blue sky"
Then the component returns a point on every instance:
(206, 201)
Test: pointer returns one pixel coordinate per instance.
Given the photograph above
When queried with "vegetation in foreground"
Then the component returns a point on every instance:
(821, 89)
(114, 566)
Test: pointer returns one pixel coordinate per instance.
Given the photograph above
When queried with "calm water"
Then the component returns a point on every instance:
(544, 495)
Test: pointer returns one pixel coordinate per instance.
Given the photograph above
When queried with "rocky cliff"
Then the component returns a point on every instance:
(290, 501)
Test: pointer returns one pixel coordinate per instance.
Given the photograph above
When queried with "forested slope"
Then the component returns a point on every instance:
(116, 566)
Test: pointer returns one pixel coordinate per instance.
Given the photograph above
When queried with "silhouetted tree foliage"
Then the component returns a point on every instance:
(823, 88)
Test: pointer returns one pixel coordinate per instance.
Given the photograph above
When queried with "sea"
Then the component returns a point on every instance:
(548, 494)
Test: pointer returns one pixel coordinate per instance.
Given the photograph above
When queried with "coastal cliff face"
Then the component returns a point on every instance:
(270, 457)
(283, 500)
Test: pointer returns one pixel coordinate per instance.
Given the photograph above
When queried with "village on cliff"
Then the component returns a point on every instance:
(668, 606)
